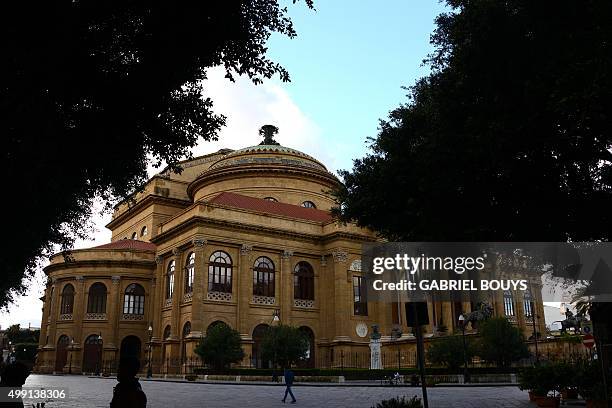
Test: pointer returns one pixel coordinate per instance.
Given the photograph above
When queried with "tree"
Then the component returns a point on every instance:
(284, 345)
(91, 91)
(508, 138)
(220, 347)
(448, 351)
(15, 334)
(501, 342)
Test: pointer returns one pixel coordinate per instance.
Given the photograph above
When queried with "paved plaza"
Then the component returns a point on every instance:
(87, 392)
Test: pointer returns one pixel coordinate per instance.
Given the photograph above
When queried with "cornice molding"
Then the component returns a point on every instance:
(106, 263)
(146, 201)
(212, 176)
(199, 220)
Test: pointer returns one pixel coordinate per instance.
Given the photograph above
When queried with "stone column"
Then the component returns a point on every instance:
(53, 310)
(177, 295)
(286, 283)
(244, 290)
(115, 308)
(323, 296)
(158, 300)
(342, 289)
(79, 308)
(199, 288)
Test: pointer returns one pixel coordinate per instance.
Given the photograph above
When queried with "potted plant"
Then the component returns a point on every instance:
(567, 380)
(541, 381)
(590, 385)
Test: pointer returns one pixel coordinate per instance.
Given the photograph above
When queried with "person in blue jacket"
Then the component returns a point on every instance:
(289, 376)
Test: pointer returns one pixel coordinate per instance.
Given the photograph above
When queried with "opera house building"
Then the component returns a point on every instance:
(241, 237)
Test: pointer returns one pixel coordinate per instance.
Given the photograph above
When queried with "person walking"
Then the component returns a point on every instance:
(289, 382)
(128, 392)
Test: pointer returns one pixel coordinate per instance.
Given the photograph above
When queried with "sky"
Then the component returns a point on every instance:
(348, 65)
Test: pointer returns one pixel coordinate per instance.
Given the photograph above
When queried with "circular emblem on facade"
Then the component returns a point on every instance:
(361, 329)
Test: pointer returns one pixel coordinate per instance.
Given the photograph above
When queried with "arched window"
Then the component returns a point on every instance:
(528, 304)
(170, 279)
(220, 272)
(189, 272)
(167, 332)
(134, 235)
(186, 329)
(134, 298)
(308, 204)
(303, 281)
(67, 299)
(508, 303)
(96, 301)
(263, 277)
(143, 231)
(271, 199)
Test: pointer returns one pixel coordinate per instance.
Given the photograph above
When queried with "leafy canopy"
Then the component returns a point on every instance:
(220, 347)
(508, 138)
(285, 345)
(448, 352)
(91, 91)
(501, 342)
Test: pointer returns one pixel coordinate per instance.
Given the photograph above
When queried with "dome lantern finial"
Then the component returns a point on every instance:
(268, 132)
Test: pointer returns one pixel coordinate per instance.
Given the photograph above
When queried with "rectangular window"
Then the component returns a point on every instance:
(359, 296)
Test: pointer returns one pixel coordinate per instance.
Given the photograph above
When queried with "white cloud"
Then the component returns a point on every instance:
(247, 107)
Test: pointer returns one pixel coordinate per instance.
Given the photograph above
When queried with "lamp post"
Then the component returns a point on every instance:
(534, 316)
(462, 324)
(99, 364)
(149, 369)
(275, 322)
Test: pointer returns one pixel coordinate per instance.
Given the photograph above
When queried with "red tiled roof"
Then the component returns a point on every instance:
(271, 207)
(128, 244)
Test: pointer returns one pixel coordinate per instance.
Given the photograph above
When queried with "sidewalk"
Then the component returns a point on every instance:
(359, 384)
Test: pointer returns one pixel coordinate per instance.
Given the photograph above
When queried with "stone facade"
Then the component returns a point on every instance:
(233, 238)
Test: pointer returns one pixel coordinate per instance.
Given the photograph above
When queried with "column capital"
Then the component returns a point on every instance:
(323, 260)
(199, 242)
(176, 251)
(115, 279)
(340, 255)
(159, 259)
(287, 254)
(245, 249)
(79, 278)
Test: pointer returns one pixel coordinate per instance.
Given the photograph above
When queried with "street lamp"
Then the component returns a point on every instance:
(99, 363)
(462, 325)
(275, 322)
(534, 316)
(150, 370)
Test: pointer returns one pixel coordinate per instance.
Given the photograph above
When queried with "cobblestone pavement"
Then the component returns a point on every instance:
(87, 392)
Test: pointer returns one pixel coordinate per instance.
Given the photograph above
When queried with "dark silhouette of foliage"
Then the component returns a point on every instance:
(400, 402)
(89, 91)
(221, 347)
(448, 352)
(508, 138)
(501, 342)
(284, 345)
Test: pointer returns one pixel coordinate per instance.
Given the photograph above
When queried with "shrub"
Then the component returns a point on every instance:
(448, 351)
(501, 342)
(220, 347)
(398, 402)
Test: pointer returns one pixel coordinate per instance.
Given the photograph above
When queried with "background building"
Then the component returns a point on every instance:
(237, 237)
